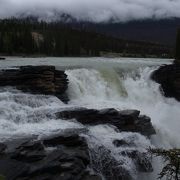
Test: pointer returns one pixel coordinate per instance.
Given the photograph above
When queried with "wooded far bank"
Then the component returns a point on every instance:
(29, 37)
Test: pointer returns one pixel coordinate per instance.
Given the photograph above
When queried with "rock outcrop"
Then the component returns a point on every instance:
(36, 80)
(127, 120)
(48, 159)
(66, 156)
(168, 76)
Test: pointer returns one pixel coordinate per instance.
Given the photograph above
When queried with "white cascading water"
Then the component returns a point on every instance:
(24, 114)
(128, 90)
(133, 90)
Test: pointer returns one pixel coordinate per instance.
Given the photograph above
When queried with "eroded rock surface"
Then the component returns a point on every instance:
(51, 158)
(128, 120)
(36, 80)
(67, 156)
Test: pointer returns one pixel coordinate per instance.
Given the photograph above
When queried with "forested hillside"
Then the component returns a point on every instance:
(31, 37)
(153, 30)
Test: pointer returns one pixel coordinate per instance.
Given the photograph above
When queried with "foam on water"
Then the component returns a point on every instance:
(25, 114)
(90, 88)
(135, 90)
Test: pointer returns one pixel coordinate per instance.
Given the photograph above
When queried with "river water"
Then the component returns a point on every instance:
(121, 83)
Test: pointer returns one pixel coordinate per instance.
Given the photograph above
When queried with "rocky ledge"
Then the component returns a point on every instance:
(66, 156)
(69, 155)
(63, 156)
(168, 76)
(36, 80)
(127, 120)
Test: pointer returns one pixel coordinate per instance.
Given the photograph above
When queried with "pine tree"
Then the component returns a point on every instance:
(171, 158)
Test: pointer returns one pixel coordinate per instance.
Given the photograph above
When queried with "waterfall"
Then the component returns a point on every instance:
(120, 85)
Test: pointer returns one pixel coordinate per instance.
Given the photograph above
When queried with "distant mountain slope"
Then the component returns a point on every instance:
(160, 31)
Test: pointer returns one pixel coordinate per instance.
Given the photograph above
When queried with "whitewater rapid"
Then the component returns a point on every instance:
(120, 84)
(129, 90)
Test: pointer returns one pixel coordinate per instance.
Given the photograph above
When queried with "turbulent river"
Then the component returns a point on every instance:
(120, 83)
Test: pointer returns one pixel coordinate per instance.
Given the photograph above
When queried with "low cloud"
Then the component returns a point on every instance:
(92, 10)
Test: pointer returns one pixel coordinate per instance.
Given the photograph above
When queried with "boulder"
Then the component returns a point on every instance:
(168, 76)
(29, 152)
(67, 138)
(119, 143)
(37, 80)
(62, 156)
(128, 120)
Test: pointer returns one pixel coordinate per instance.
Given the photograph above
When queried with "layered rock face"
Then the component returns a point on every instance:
(36, 80)
(52, 158)
(168, 76)
(128, 120)
(66, 155)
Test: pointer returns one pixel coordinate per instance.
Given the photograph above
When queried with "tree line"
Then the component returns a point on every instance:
(29, 36)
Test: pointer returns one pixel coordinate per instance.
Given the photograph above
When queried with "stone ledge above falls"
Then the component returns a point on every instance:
(36, 80)
(127, 120)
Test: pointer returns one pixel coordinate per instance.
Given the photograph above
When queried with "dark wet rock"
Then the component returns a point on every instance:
(168, 76)
(128, 120)
(13, 144)
(143, 124)
(37, 80)
(2, 148)
(62, 156)
(68, 138)
(2, 58)
(119, 143)
(60, 161)
(12, 169)
(66, 156)
(29, 152)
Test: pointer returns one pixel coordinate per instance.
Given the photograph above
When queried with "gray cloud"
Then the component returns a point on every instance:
(93, 10)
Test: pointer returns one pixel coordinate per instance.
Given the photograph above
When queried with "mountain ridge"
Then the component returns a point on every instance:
(153, 30)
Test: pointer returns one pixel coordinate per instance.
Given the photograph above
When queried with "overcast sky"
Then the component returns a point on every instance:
(93, 10)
